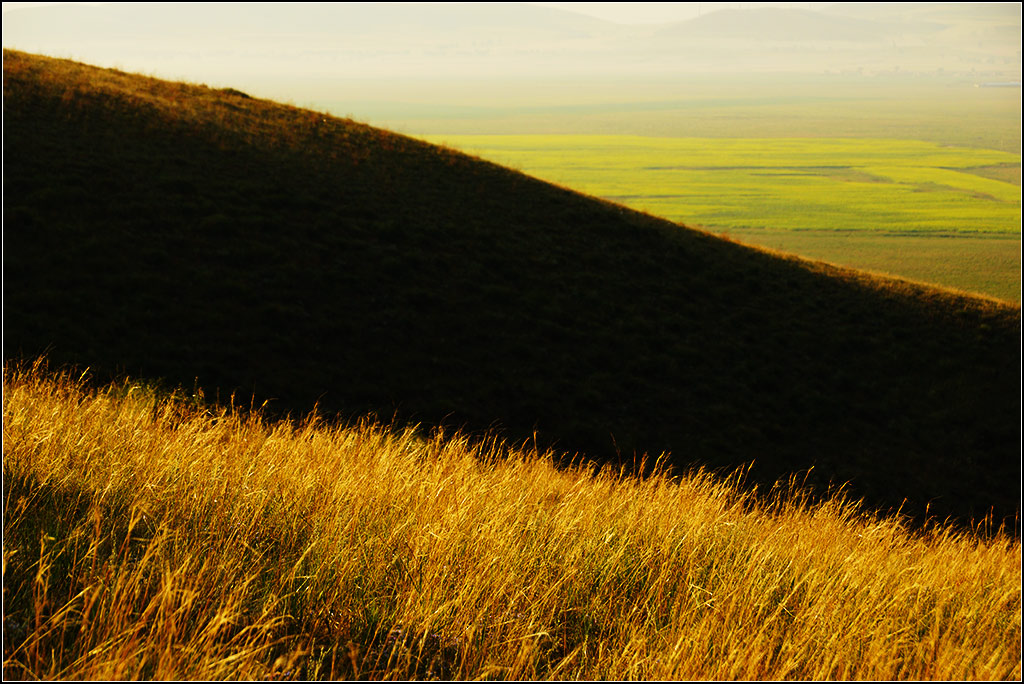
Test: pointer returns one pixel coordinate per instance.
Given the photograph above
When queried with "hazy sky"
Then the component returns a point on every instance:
(655, 12)
(620, 12)
(631, 12)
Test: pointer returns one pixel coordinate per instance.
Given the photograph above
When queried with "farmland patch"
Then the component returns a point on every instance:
(877, 189)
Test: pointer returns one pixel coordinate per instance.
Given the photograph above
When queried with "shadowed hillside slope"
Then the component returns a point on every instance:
(174, 231)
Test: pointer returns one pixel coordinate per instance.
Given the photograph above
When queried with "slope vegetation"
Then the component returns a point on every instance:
(244, 247)
(157, 538)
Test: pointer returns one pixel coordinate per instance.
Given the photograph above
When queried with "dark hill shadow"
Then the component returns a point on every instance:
(178, 232)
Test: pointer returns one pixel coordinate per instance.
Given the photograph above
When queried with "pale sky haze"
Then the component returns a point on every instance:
(660, 12)
(619, 12)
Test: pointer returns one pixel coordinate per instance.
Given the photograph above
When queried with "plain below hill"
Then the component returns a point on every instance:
(204, 237)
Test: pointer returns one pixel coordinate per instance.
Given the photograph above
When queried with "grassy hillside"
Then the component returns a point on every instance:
(241, 246)
(156, 538)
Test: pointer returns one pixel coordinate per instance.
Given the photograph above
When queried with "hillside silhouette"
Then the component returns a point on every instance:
(210, 239)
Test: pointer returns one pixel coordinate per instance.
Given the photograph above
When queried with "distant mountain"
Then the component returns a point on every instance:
(254, 43)
(270, 253)
(969, 26)
(929, 14)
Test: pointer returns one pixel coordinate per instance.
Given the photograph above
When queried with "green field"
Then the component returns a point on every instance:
(988, 264)
(868, 191)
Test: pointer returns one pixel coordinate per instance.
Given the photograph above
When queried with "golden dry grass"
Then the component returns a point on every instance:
(156, 537)
(159, 538)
